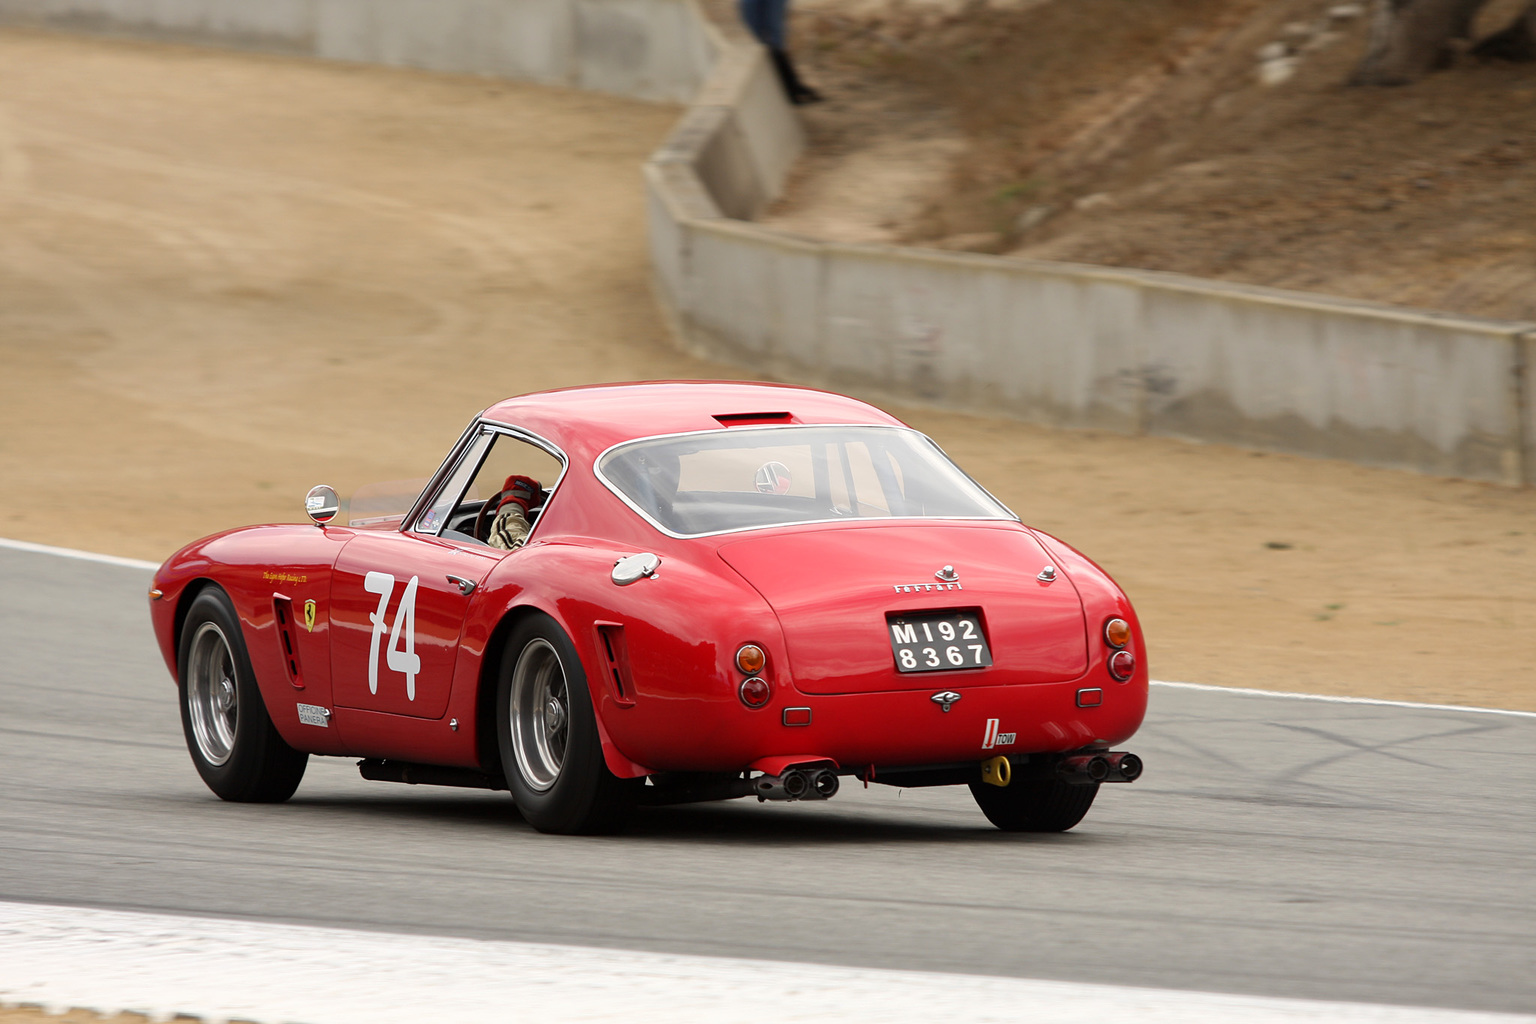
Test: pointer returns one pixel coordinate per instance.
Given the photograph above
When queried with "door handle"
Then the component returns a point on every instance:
(466, 587)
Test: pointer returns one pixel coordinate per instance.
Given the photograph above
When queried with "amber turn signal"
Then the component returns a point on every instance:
(1117, 632)
(751, 659)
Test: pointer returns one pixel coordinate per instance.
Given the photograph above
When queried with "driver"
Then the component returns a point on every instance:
(510, 527)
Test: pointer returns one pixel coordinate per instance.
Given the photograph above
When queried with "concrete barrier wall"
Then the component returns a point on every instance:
(649, 49)
(1127, 351)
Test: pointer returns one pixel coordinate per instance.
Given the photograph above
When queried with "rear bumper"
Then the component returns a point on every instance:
(889, 729)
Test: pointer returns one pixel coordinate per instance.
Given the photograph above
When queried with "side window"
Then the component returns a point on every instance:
(434, 519)
(466, 505)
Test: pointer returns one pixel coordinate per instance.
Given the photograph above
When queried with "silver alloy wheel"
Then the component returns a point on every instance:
(540, 714)
(213, 698)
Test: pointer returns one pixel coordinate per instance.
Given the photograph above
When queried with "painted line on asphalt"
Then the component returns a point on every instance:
(1329, 699)
(159, 964)
(84, 556)
(135, 563)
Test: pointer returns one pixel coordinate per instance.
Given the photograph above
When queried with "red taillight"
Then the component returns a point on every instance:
(755, 692)
(1122, 665)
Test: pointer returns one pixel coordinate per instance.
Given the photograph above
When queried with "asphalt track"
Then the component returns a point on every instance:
(1275, 847)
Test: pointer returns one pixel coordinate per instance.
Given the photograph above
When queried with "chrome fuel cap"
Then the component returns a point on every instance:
(635, 567)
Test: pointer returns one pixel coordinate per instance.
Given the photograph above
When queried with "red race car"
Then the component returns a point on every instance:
(660, 593)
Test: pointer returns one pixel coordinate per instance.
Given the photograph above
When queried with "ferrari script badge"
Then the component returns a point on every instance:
(947, 574)
(309, 615)
(944, 698)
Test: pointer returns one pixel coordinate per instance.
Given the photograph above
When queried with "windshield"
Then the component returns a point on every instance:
(747, 477)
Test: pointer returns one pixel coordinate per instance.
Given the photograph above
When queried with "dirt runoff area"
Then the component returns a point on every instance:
(225, 278)
(37, 1015)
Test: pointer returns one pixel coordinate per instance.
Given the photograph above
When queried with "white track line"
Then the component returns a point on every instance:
(219, 970)
(84, 556)
(1326, 698)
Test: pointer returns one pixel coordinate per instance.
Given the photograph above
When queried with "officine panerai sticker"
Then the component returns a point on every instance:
(314, 714)
(309, 615)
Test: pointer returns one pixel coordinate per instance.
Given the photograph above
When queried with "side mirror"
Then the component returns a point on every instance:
(321, 504)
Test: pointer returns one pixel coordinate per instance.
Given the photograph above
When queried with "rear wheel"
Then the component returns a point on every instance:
(547, 732)
(1035, 805)
(233, 743)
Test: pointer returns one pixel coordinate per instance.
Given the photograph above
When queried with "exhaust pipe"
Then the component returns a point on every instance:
(1126, 763)
(1110, 766)
(797, 784)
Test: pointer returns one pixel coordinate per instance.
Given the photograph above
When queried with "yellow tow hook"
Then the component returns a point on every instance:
(996, 771)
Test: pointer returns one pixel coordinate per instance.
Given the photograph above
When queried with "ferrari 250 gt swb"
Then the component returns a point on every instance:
(646, 594)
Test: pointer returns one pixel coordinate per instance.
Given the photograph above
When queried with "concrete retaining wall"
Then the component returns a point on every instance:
(1117, 350)
(650, 49)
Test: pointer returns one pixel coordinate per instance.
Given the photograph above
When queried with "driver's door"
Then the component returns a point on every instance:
(400, 598)
(398, 603)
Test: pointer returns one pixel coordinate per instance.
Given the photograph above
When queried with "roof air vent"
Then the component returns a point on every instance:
(749, 419)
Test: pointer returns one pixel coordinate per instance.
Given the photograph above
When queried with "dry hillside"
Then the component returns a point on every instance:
(1208, 137)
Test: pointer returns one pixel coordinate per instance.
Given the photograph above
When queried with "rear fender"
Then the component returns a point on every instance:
(531, 594)
(1102, 600)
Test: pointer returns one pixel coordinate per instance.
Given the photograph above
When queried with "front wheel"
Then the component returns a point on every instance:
(1035, 805)
(233, 743)
(547, 732)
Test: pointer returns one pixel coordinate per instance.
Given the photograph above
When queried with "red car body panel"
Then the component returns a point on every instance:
(659, 654)
(832, 590)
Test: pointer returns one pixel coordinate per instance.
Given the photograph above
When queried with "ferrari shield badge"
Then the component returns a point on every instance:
(309, 615)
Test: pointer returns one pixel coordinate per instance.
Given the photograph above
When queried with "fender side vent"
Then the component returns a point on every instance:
(282, 609)
(611, 645)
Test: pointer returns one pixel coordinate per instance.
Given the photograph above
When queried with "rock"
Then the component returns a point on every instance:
(1297, 30)
(1033, 218)
(1097, 201)
(1346, 12)
(1321, 40)
(1276, 72)
(1273, 51)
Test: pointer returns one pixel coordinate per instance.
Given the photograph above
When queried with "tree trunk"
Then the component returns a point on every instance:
(1517, 42)
(1412, 37)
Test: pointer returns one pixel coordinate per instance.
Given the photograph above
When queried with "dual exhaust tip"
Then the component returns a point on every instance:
(797, 784)
(1112, 766)
(1080, 769)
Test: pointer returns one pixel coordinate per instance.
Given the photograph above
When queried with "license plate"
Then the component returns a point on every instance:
(938, 641)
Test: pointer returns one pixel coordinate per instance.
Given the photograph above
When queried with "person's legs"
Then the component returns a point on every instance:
(765, 20)
(775, 24)
(768, 21)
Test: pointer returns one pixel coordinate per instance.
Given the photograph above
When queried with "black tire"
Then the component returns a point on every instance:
(1035, 805)
(553, 760)
(230, 736)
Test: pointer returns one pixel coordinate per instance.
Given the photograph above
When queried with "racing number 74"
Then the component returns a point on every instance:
(399, 658)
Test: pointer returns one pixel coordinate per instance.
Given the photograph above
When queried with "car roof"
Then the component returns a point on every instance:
(584, 421)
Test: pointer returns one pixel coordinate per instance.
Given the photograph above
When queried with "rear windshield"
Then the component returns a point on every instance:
(747, 477)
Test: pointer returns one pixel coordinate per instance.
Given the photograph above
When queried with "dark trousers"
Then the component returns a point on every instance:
(766, 19)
